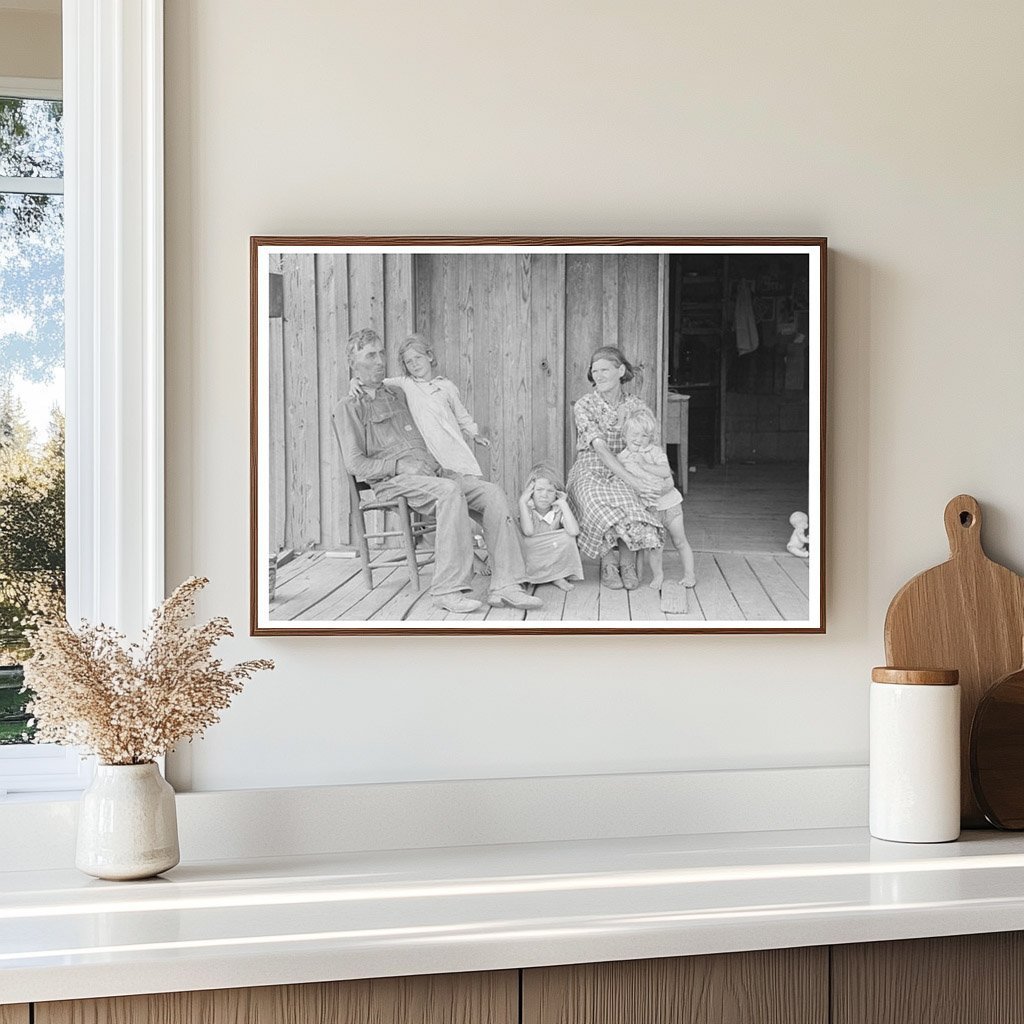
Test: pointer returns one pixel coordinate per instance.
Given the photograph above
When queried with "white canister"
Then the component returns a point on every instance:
(915, 755)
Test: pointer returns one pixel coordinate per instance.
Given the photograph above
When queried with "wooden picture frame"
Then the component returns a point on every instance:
(508, 327)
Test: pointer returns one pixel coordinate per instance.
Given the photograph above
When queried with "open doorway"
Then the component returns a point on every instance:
(738, 338)
(738, 333)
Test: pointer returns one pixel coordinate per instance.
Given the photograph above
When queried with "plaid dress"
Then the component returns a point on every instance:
(607, 508)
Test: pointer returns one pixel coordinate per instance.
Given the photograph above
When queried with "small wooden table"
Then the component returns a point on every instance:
(677, 432)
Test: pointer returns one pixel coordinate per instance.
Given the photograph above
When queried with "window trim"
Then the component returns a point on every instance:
(114, 332)
(32, 88)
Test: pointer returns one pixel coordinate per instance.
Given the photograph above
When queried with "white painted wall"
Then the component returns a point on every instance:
(894, 129)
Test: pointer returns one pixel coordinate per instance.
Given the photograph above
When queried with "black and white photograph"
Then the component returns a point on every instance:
(537, 435)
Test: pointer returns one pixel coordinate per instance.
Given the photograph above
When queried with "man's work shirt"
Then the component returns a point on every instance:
(375, 431)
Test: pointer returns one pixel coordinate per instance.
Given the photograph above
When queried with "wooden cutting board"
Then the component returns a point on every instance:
(967, 614)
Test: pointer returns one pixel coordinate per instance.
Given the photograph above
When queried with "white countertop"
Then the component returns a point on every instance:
(225, 924)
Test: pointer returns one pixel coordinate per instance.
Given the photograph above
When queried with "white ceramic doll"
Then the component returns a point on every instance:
(798, 540)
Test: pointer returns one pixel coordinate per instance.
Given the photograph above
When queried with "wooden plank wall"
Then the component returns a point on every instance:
(496, 324)
(276, 413)
(514, 332)
(326, 296)
(612, 300)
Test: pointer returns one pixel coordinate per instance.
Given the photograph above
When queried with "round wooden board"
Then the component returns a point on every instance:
(997, 752)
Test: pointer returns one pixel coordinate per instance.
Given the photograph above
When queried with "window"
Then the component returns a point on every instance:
(113, 333)
(31, 382)
(32, 534)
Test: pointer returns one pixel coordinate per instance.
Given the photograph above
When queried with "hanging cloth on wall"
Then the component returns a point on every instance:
(746, 322)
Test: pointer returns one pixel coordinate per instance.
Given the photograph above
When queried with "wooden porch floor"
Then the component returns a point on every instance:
(731, 586)
(736, 520)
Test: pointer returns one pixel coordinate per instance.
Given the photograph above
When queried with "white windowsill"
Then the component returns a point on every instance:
(40, 796)
(43, 771)
(242, 824)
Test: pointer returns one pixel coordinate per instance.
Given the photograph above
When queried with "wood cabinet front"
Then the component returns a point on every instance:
(961, 979)
(479, 998)
(778, 986)
(968, 979)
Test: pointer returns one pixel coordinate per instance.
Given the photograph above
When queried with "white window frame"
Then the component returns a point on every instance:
(114, 337)
(31, 89)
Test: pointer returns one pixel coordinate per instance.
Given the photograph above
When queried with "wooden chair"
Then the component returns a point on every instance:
(411, 526)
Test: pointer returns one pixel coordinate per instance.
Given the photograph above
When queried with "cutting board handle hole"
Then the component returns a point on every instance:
(966, 519)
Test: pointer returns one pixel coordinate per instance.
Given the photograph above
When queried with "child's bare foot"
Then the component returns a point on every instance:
(563, 584)
(689, 581)
(658, 582)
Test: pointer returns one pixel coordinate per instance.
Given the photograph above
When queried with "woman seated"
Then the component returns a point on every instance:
(609, 502)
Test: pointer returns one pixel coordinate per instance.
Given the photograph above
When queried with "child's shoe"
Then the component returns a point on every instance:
(610, 577)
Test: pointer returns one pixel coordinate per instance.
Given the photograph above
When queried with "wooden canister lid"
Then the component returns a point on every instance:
(916, 676)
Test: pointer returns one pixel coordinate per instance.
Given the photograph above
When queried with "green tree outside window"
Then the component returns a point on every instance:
(32, 574)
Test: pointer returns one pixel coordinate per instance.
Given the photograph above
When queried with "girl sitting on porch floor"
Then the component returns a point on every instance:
(549, 531)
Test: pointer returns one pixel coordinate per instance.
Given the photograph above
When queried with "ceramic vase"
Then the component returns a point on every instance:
(127, 825)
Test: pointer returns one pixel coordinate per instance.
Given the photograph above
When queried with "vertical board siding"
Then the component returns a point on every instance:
(476, 387)
(366, 291)
(302, 440)
(497, 323)
(276, 410)
(332, 331)
(518, 376)
(515, 333)
(547, 337)
(399, 319)
(639, 324)
(662, 370)
(443, 328)
(473, 388)
(494, 320)
(326, 297)
(428, 304)
(276, 422)
(610, 299)
(584, 332)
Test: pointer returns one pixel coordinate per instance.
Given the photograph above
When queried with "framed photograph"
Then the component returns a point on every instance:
(537, 435)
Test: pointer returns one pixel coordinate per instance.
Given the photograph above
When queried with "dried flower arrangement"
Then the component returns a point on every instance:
(129, 704)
